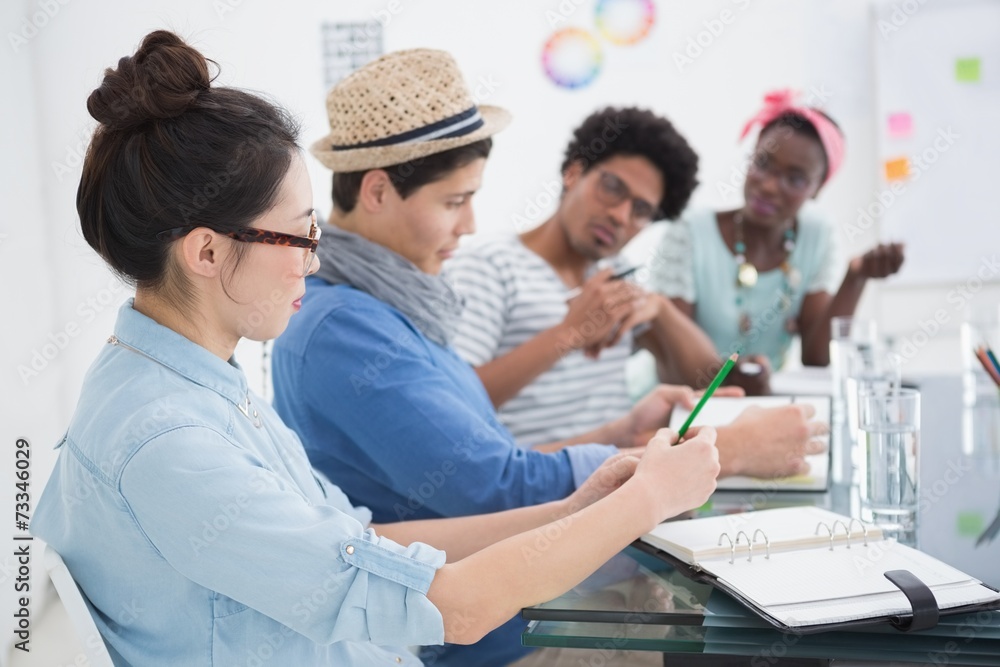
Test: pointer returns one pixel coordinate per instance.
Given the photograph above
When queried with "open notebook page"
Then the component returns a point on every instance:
(721, 410)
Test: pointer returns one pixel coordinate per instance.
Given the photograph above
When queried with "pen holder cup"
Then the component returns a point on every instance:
(980, 394)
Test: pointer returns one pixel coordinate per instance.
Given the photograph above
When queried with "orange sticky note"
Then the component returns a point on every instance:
(897, 169)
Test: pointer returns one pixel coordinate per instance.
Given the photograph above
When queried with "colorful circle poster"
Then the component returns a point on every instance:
(624, 22)
(572, 58)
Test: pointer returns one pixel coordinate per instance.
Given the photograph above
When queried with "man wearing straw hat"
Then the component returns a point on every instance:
(365, 373)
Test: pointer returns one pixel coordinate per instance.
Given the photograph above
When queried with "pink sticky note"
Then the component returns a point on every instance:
(900, 125)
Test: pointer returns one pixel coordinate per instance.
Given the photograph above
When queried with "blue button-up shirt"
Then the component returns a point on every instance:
(404, 426)
(194, 525)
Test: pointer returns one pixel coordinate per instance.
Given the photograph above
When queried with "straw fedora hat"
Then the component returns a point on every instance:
(403, 106)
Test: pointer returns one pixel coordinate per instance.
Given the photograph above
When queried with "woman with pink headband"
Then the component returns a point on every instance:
(755, 277)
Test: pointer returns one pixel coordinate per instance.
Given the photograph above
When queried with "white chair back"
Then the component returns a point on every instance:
(76, 609)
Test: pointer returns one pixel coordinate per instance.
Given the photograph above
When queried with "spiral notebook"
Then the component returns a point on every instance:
(721, 410)
(810, 569)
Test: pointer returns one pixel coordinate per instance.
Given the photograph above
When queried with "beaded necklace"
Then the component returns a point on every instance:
(747, 274)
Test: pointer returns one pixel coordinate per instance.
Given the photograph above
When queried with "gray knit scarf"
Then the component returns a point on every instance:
(430, 302)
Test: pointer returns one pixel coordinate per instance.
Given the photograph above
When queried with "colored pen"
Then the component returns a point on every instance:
(993, 359)
(575, 292)
(983, 356)
(719, 377)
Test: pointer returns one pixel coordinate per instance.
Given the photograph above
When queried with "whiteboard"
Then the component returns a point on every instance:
(937, 105)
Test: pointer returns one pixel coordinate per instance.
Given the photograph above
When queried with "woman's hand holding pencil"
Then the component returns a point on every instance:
(690, 468)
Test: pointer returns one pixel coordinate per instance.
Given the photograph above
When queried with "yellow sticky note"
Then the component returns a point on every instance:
(897, 169)
(967, 70)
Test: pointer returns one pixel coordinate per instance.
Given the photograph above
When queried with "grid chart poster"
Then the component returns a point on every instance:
(937, 72)
(348, 46)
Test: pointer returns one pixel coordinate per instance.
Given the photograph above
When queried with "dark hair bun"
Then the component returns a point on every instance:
(161, 80)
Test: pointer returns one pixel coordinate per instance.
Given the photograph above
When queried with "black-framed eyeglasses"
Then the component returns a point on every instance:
(793, 181)
(612, 191)
(266, 236)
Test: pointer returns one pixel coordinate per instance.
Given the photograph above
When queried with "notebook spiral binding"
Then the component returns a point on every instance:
(750, 543)
(831, 531)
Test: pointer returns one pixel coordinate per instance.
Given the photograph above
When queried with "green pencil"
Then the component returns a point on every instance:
(719, 377)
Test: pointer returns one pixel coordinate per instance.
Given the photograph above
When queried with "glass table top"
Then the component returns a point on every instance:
(638, 602)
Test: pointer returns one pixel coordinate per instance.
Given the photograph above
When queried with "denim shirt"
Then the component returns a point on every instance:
(195, 527)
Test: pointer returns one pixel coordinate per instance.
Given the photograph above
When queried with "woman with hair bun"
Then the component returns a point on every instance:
(184, 508)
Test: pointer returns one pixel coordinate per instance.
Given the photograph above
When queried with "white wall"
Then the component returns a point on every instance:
(52, 281)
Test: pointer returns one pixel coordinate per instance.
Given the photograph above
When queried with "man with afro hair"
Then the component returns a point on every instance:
(548, 323)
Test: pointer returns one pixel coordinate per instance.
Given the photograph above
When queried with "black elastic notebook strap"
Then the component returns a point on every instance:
(925, 608)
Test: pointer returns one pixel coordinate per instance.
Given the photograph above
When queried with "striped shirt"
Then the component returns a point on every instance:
(512, 295)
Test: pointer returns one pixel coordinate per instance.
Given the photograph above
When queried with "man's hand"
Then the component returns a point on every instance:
(612, 474)
(753, 373)
(645, 307)
(771, 442)
(652, 413)
(597, 312)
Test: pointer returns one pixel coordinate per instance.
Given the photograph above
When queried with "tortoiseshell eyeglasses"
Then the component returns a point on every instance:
(253, 235)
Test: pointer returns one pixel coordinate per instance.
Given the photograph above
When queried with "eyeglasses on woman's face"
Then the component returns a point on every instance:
(266, 236)
(794, 181)
(612, 191)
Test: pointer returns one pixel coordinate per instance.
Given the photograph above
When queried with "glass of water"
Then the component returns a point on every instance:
(890, 440)
(873, 368)
(851, 341)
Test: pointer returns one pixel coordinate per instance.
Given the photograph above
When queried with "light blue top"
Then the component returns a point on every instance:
(191, 519)
(693, 263)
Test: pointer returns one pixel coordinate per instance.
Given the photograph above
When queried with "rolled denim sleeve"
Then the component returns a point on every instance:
(585, 459)
(219, 515)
